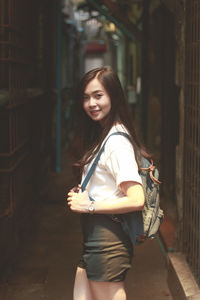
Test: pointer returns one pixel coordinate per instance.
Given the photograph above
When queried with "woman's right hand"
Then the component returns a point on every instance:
(78, 202)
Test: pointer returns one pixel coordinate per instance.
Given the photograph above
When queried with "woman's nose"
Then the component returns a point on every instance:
(92, 102)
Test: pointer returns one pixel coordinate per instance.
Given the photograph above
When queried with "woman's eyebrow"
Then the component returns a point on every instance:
(97, 91)
(94, 92)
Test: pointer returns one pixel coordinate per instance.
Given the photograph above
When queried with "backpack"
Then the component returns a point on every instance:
(152, 213)
(139, 225)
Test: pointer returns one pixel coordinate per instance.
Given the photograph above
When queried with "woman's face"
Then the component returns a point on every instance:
(96, 101)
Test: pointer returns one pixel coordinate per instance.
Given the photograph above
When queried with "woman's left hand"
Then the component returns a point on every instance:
(78, 202)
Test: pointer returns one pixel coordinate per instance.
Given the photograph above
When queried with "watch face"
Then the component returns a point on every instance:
(91, 207)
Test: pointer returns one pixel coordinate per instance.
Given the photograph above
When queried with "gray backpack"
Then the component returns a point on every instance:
(152, 213)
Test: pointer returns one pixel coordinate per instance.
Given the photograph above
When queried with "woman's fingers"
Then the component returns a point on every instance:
(71, 195)
(70, 198)
(78, 202)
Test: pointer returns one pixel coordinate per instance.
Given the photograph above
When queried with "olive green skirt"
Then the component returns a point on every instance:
(107, 250)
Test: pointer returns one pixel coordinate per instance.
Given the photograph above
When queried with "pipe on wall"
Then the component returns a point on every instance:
(58, 87)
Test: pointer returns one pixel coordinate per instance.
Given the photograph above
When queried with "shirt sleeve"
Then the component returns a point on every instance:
(120, 160)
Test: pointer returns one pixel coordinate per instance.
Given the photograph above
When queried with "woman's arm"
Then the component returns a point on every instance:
(132, 201)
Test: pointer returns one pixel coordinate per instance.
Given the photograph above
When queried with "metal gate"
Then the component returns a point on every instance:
(25, 115)
(191, 201)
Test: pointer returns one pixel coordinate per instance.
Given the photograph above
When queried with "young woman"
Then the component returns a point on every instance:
(115, 185)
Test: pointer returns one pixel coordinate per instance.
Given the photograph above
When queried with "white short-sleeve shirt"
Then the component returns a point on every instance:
(117, 164)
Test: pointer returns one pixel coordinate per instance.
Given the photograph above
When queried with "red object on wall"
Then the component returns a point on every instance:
(95, 48)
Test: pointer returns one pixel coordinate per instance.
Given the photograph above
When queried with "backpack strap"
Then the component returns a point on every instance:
(151, 168)
(92, 168)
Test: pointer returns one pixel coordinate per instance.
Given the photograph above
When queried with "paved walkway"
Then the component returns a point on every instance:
(45, 270)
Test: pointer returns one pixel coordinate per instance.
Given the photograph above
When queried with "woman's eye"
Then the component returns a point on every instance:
(98, 96)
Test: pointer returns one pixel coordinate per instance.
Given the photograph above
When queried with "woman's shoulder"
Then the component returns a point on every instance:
(117, 141)
(118, 127)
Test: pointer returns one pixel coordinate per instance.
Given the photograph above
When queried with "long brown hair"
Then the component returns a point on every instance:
(88, 134)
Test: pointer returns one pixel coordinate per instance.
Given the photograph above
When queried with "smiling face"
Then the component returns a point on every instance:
(96, 101)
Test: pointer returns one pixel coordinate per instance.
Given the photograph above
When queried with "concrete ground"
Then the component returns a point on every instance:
(45, 269)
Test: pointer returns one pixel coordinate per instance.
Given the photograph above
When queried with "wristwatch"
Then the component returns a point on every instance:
(91, 208)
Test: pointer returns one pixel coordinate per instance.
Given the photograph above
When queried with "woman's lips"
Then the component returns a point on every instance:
(94, 112)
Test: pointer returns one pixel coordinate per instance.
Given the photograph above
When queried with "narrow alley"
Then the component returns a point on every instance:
(45, 48)
(46, 267)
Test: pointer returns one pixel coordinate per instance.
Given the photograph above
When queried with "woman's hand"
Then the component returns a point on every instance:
(78, 202)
